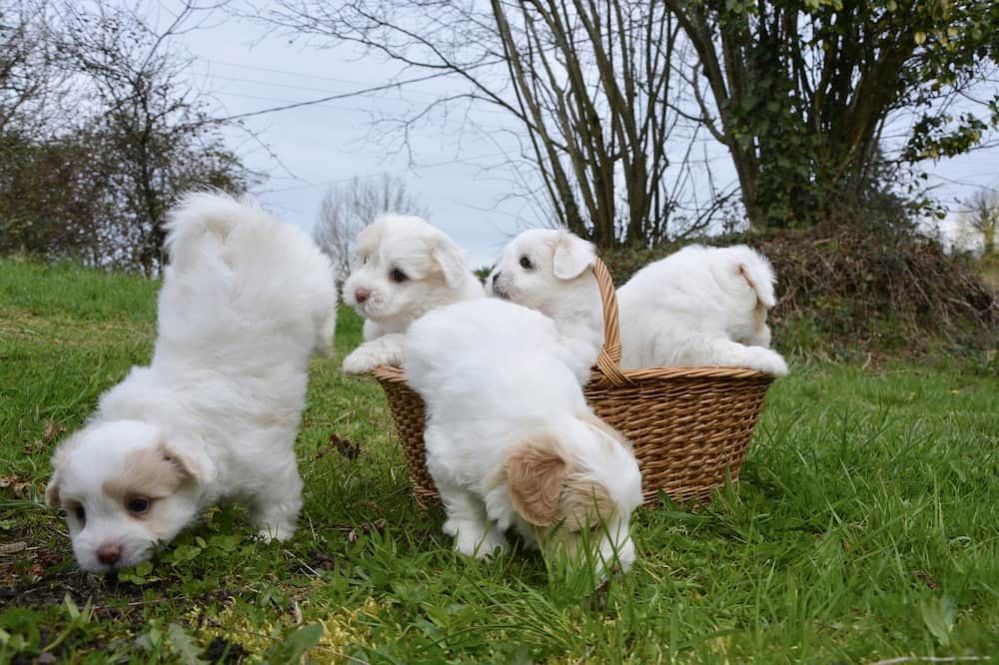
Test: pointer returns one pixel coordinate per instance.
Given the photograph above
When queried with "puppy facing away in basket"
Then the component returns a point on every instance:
(404, 268)
(245, 301)
(510, 440)
(700, 306)
(552, 271)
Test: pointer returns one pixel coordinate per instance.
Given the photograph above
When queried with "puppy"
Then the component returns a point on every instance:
(245, 301)
(700, 306)
(510, 439)
(552, 271)
(404, 268)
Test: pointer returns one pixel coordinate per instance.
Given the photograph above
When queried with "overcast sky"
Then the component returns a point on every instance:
(454, 169)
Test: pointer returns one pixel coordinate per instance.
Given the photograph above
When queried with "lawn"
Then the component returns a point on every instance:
(865, 527)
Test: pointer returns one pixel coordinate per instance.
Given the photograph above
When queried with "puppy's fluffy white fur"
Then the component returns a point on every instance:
(510, 439)
(700, 306)
(245, 301)
(404, 267)
(552, 272)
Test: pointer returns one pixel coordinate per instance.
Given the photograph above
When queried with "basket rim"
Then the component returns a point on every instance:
(397, 375)
(607, 369)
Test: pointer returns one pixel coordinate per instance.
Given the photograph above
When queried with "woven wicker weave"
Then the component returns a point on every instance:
(691, 426)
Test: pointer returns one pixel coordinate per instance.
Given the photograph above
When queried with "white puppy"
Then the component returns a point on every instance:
(700, 306)
(404, 268)
(245, 301)
(552, 271)
(510, 439)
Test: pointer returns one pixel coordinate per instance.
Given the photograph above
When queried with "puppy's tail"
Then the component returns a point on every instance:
(201, 222)
(755, 269)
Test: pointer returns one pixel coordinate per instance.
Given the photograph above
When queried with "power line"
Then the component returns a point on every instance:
(344, 95)
(416, 167)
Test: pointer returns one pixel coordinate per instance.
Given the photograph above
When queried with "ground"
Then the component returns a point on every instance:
(865, 527)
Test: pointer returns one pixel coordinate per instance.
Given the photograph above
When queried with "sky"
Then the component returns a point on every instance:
(455, 165)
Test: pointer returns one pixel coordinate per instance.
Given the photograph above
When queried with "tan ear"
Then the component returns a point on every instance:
(52, 497)
(449, 259)
(572, 256)
(536, 472)
(586, 502)
(52, 492)
(184, 465)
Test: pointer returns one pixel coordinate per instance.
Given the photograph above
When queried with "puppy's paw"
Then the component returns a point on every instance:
(473, 541)
(385, 350)
(769, 362)
(278, 532)
(360, 361)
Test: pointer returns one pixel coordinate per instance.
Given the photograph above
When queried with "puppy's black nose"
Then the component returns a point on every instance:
(109, 553)
(496, 276)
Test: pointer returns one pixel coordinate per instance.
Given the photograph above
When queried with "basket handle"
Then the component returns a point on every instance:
(608, 363)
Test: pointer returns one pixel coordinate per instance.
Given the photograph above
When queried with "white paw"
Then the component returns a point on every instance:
(472, 541)
(360, 361)
(279, 532)
(372, 354)
(771, 362)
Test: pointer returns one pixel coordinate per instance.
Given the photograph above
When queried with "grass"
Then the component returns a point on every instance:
(865, 527)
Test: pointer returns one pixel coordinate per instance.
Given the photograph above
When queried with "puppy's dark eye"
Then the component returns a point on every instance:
(80, 513)
(398, 276)
(526, 264)
(137, 505)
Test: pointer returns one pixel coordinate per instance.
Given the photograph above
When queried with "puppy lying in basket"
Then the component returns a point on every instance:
(245, 301)
(697, 307)
(510, 440)
(404, 268)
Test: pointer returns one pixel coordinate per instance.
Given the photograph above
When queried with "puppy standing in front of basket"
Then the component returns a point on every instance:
(700, 306)
(245, 301)
(404, 268)
(552, 271)
(510, 439)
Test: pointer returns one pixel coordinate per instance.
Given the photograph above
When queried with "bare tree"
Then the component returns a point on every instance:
(350, 206)
(980, 223)
(30, 80)
(94, 182)
(152, 120)
(584, 81)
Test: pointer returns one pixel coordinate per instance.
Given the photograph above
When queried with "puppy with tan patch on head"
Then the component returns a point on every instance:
(510, 440)
(246, 300)
(700, 306)
(552, 271)
(404, 267)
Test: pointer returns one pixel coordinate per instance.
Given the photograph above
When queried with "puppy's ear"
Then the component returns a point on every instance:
(586, 502)
(536, 472)
(187, 466)
(448, 258)
(756, 270)
(572, 256)
(52, 491)
(52, 497)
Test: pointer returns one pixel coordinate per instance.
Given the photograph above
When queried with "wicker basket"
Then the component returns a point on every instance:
(690, 426)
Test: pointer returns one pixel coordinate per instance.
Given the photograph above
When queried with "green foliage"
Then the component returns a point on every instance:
(804, 88)
(865, 526)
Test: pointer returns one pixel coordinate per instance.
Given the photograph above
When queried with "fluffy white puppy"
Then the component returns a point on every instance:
(404, 268)
(510, 439)
(245, 301)
(700, 306)
(552, 271)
